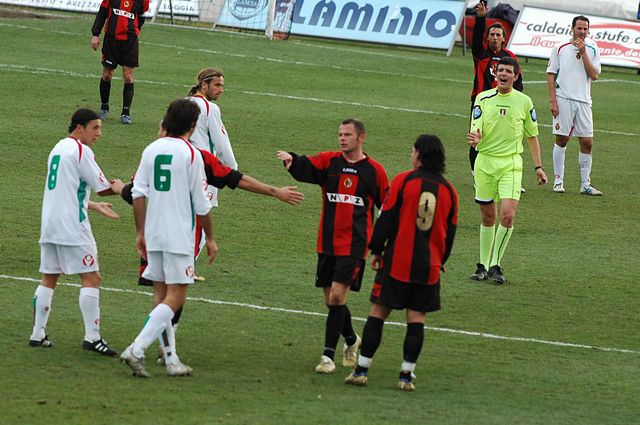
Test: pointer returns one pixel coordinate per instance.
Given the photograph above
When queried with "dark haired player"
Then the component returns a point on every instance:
(352, 185)
(487, 52)
(122, 20)
(66, 241)
(411, 242)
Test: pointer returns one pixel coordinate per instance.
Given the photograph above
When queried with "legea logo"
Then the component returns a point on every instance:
(245, 9)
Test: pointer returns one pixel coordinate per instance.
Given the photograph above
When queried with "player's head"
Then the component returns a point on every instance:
(351, 134)
(507, 73)
(209, 83)
(181, 118)
(428, 153)
(580, 27)
(496, 37)
(86, 126)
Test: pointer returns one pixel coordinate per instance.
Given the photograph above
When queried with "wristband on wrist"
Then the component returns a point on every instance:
(539, 167)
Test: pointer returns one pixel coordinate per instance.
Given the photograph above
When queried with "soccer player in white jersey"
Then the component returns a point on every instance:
(171, 178)
(210, 134)
(66, 241)
(571, 69)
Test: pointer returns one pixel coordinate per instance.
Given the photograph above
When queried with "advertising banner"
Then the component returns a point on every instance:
(421, 23)
(180, 7)
(539, 30)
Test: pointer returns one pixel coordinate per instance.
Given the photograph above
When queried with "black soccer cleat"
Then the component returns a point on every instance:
(480, 274)
(44, 342)
(100, 346)
(495, 274)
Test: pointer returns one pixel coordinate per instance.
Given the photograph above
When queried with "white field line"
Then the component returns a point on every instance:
(360, 319)
(425, 58)
(40, 70)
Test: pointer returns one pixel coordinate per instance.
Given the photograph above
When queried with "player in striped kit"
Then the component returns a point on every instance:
(66, 241)
(122, 20)
(411, 242)
(353, 184)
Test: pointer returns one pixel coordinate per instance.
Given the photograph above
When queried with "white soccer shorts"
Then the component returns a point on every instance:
(169, 268)
(574, 118)
(67, 259)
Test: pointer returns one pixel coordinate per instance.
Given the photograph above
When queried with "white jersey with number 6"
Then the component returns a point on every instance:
(171, 176)
(72, 172)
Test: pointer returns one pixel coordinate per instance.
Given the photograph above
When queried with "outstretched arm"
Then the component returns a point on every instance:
(285, 194)
(103, 208)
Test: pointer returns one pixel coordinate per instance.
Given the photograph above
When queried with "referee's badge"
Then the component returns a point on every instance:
(503, 112)
(534, 117)
(477, 112)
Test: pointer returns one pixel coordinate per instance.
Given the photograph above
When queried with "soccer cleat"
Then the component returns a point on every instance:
(103, 114)
(44, 342)
(126, 119)
(135, 363)
(590, 190)
(326, 365)
(198, 278)
(179, 369)
(357, 379)
(480, 274)
(523, 190)
(100, 346)
(406, 386)
(558, 188)
(350, 353)
(495, 274)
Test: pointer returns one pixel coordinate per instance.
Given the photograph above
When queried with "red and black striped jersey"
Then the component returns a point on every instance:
(485, 62)
(218, 174)
(123, 18)
(350, 191)
(416, 227)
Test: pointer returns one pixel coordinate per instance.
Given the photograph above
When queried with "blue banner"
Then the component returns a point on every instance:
(422, 23)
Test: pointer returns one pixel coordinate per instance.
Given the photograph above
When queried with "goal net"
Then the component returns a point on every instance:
(271, 17)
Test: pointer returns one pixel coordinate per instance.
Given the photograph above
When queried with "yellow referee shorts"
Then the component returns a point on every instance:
(497, 177)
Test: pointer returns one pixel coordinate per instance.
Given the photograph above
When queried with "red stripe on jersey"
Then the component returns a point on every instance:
(206, 102)
(193, 154)
(79, 148)
(564, 45)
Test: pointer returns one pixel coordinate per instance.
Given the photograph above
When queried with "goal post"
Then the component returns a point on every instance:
(271, 17)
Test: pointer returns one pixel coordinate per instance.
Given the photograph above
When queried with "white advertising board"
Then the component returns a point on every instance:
(539, 30)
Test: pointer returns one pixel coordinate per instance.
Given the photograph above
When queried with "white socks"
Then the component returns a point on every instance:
(558, 163)
(584, 161)
(41, 309)
(89, 301)
(407, 367)
(364, 361)
(168, 344)
(155, 324)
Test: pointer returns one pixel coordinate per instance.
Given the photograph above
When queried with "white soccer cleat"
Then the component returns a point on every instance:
(326, 365)
(591, 191)
(179, 369)
(135, 363)
(558, 188)
(350, 353)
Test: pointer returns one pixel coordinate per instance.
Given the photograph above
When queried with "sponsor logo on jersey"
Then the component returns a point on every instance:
(477, 112)
(348, 183)
(88, 260)
(349, 170)
(120, 12)
(190, 272)
(534, 117)
(245, 9)
(345, 199)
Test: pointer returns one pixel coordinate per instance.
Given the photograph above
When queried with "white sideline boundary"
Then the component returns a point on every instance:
(360, 319)
(48, 71)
